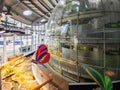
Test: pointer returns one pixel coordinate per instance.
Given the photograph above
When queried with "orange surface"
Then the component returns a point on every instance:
(15, 56)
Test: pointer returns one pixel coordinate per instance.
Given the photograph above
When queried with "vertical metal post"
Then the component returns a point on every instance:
(4, 50)
(27, 40)
(14, 42)
(38, 35)
(78, 75)
(41, 34)
(4, 45)
(32, 42)
(104, 47)
(104, 39)
(44, 32)
(35, 37)
(21, 39)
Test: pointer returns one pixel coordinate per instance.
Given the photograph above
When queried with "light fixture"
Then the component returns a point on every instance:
(62, 2)
(27, 12)
(43, 20)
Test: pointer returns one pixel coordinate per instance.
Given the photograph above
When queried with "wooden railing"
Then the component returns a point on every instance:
(41, 85)
(42, 74)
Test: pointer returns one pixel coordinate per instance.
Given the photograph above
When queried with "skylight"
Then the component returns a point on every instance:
(27, 12)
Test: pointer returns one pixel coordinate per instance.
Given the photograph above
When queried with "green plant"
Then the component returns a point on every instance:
(103, 81)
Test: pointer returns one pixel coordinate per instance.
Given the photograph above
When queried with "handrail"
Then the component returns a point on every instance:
(49, 79)
(41, 85)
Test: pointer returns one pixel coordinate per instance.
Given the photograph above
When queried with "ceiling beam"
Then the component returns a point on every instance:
(40, 16)
(39, 19)
(20, 16)
(52, 3)
(44, 13)
(43, 4)
(57, 1)
(48, 3)
(29, 8)
(14, 4)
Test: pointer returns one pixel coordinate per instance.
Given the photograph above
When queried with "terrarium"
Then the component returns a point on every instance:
(85, 32)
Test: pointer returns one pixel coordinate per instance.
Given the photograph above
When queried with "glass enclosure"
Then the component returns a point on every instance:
(85, 32)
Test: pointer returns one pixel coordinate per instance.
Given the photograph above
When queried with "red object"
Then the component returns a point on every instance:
(42, 54)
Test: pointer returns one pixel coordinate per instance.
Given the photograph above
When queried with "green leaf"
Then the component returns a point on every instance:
(108, 83)
(96, 76)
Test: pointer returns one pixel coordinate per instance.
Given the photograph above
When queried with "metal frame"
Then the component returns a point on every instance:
(29, 8)
(35, 8)
(44, 5)
(57, 1)
(52, 3)
(38, 8)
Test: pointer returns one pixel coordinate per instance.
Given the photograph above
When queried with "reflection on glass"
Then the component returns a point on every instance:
(86, 31)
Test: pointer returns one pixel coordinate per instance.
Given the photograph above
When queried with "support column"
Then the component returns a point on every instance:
(38, 36)
(41, 34)
(21, 39)
(4, 50)
(27, 41)
(44, 32)
(32, 42)
(14, 44)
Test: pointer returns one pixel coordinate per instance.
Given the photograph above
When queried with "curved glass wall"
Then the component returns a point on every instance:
(85, 31)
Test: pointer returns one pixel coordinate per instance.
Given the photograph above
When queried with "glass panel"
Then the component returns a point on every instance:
(10, 46)
(18, 44)
(86, 32)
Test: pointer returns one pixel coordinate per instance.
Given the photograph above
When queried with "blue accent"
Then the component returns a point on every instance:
(39, 58)
(36, 62)
(44, 49)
